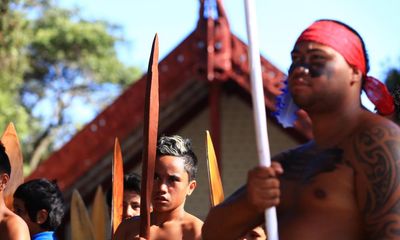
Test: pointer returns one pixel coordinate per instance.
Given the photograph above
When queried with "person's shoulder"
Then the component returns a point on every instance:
(378, 126)
(16, 222)
(13, 227)
(192, 221)
(192, 224)
(375, 138)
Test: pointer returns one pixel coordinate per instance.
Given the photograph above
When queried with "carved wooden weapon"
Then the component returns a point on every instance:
(150, 131)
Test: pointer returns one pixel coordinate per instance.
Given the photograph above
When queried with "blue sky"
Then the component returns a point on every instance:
(279, 24)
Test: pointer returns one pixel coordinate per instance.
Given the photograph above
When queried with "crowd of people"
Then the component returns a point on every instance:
(343, 184)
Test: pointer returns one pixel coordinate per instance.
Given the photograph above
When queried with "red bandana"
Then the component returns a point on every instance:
(347, 43)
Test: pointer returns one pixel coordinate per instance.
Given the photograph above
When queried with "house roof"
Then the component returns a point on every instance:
(84, 162)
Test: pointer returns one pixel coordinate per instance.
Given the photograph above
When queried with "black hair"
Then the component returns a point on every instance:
(41, 194)
(5, 166)
(131, 183)
(179, 147)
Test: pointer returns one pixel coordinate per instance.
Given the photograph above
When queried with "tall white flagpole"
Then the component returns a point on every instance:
(260, 120)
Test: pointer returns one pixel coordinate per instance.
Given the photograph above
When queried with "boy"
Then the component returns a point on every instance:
(12, 227)
(174, 180)
(40, 203)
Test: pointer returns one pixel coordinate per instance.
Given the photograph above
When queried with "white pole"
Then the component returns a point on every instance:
(260, 120)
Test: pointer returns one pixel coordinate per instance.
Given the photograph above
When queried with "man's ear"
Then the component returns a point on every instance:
(41, 216)
(192, 186)
(4, 178)
(356, 76)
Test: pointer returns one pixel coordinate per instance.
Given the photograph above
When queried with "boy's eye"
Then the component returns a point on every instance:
(136, 206)
(174, 179)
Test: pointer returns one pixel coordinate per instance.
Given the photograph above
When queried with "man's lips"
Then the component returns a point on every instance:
(298, 82)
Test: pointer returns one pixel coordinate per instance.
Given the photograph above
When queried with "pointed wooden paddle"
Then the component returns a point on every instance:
(13, 150)
(100, 217)
(150, 131)
(117, 188)
(214, 177)
(81, 227)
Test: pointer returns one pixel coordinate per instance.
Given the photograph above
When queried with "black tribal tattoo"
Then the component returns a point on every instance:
(378, 152)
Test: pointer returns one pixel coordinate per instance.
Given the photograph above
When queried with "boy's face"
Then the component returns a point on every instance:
(131, 204)
(20, 210)
(257, 233)
(171, 184)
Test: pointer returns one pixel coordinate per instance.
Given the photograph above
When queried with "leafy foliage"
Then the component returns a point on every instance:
(393, 79)
(393, 83)
(54, 66)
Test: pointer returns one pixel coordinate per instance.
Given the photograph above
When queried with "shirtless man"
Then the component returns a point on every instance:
(12, 227)
(174, 180)
(345, 183)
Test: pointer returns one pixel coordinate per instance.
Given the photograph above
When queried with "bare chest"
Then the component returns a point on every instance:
(317, 181)
(333, 190)
(170, 232)
(323, 208)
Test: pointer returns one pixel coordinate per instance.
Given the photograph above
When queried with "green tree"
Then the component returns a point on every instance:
(53, 62)
(392, 81)
(14, 36)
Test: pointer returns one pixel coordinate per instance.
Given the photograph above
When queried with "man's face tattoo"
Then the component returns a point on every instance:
(315, 70)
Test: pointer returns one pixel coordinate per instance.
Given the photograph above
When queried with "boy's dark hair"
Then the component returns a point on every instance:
(179, 147)
(41, 194)
(5, 166)
(131, 183)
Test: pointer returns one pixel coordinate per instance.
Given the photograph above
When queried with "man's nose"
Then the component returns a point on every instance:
(162, 186)
(299, 69)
